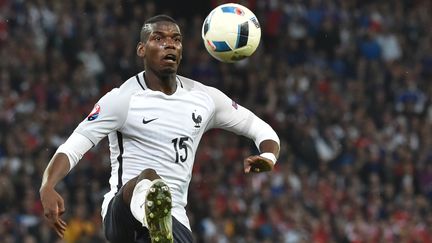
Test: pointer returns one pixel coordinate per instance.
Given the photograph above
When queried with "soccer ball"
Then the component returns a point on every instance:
(231, 32)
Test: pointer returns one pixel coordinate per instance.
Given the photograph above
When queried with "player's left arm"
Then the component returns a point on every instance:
(235, 118)
(268, 143)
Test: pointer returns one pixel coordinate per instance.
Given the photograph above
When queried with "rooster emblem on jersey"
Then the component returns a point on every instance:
(197, 120)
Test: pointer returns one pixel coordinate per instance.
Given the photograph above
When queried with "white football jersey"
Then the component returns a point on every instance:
(149, 129)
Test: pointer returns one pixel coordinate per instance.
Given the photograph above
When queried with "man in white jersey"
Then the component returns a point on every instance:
(154, 122)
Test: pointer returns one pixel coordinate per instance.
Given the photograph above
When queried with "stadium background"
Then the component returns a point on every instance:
(345, 83)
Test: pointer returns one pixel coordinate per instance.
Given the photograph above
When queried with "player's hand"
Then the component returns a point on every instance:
(53, 205)
(256, 164)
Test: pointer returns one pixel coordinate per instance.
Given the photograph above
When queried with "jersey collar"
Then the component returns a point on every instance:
(141, 81)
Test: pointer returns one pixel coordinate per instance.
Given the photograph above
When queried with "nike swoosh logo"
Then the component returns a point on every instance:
(147, 121)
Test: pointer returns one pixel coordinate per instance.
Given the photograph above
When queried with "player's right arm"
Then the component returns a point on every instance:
(52, 202)
(107, 116)
(61, 163)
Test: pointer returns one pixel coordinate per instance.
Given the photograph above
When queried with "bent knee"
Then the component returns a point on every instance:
(148, 174)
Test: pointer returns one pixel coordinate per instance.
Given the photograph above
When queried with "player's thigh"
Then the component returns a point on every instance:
(119, 223)
(181, 234)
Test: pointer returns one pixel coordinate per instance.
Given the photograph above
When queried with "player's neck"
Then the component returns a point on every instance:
(164, 83)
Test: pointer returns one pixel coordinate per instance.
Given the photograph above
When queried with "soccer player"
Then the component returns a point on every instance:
(154, 122)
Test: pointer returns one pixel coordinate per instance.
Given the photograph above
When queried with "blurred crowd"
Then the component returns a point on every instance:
(344, 82)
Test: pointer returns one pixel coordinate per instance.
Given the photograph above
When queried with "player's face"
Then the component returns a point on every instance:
(163, 50)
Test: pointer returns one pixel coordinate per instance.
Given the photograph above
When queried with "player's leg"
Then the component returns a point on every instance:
(125, 217)
(119, 224)
(150, 204)
(181, 233)
(146, 176)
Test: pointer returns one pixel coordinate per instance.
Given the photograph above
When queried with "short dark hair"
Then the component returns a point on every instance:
(146, 30)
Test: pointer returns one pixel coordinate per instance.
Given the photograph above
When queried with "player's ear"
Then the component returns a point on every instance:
(141, 49)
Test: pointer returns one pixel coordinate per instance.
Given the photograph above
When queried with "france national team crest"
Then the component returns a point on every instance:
(197, 120)
(94, 113)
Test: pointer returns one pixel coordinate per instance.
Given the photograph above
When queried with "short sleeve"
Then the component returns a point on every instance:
(108, 115)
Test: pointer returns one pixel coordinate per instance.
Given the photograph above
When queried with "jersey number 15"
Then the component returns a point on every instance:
(180, 147)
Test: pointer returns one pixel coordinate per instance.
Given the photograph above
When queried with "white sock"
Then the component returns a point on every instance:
(137, 201)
